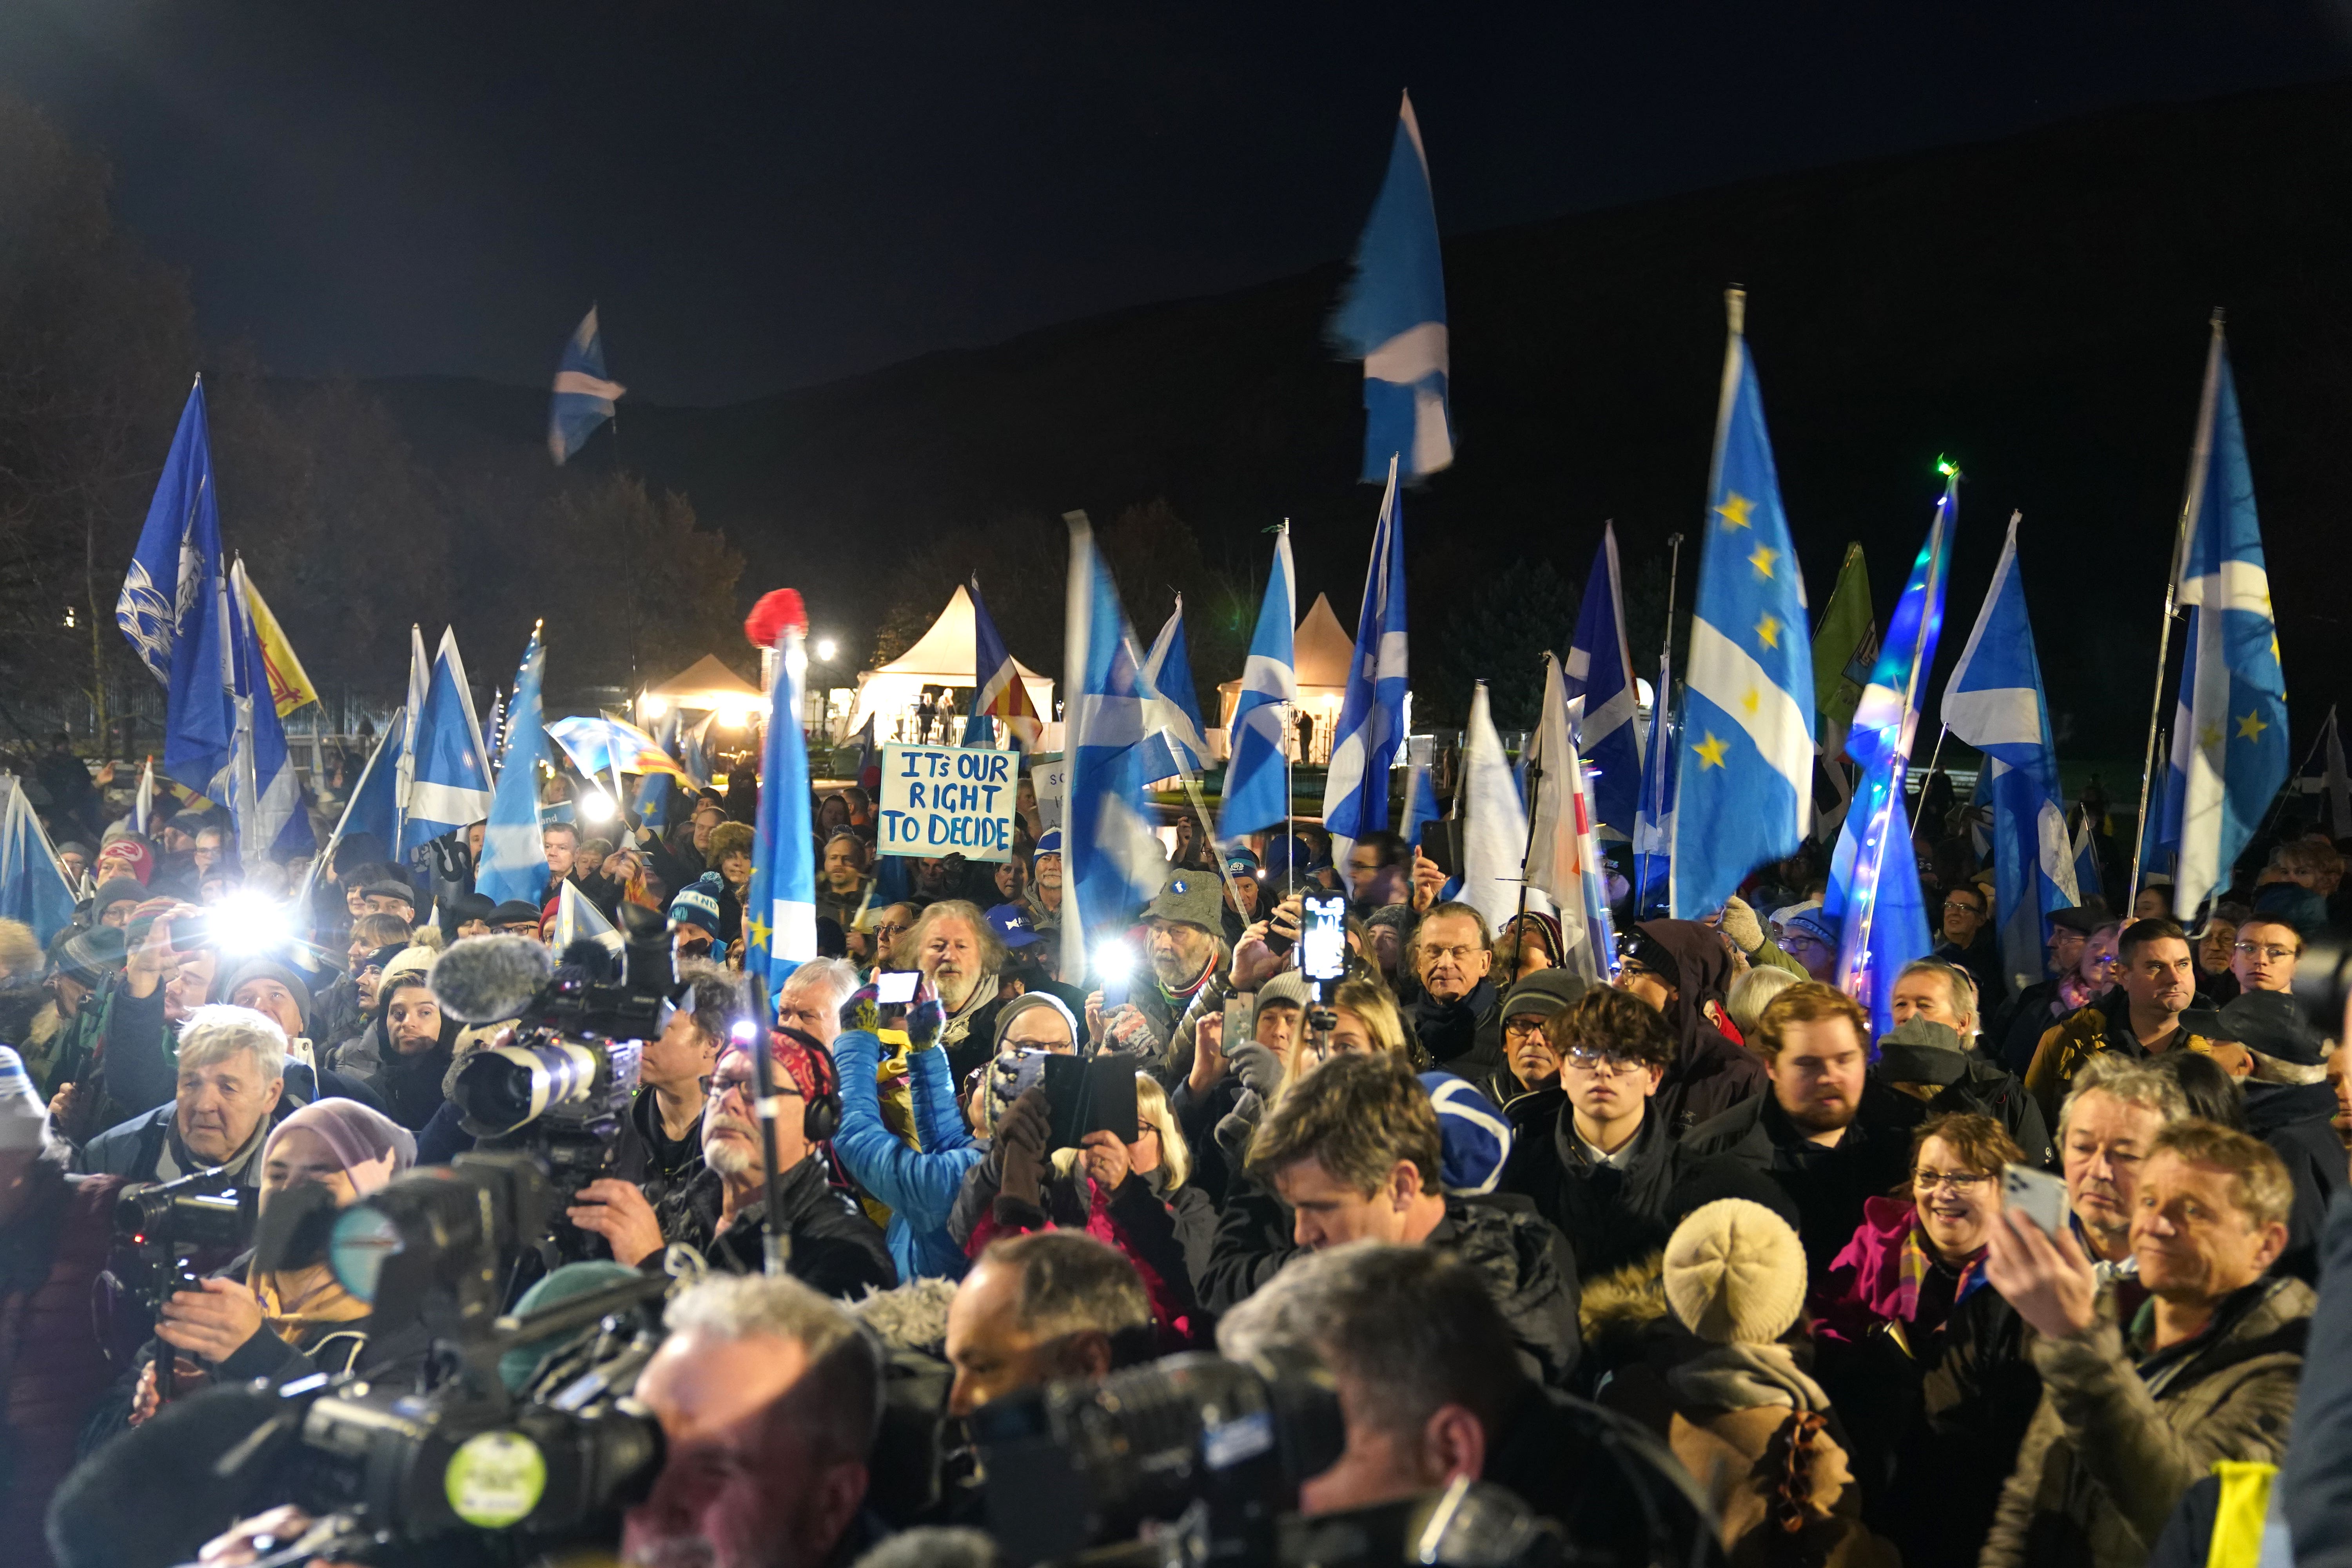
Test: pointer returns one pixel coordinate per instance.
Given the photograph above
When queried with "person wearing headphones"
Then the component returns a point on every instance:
(835, 1250)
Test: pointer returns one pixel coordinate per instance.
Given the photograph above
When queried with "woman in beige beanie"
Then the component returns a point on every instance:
(1744, 1419)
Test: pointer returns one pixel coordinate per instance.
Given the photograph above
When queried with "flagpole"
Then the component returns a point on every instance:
(1933, 758)
(1535, 786)
(1289, 823)
(1665, 682)
(2278, 802)
(2199, 456)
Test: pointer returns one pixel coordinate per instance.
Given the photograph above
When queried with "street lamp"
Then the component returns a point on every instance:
(825, 650)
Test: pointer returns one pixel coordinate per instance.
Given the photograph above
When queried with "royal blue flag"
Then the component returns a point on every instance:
(1372, 709)
(175, 610)
(583, 398)
(1257, 778)
(1175, 744)
(1112, 863)
(1421, 806)
(514, 861)
(450, 785)
(1599, 671)
(33, 887)
(1654, 821)
(1747, 767)
(780, 904)
(1393, 318)
(375, 804)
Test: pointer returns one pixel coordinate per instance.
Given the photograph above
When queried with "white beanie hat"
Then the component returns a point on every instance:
(22, 1114)
(1736, 1273)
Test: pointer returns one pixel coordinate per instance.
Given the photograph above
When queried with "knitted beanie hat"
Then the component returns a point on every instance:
(697, 903)
(1736, 1273)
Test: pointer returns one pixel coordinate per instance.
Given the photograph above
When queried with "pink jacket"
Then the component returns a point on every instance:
(1875, 1279)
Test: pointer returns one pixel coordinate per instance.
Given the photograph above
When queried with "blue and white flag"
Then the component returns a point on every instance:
(1748, 707)
(273, 819)
(33, 887)
(142, 805)
(420, 687)
(1257, 776)
(1494, 823)
(583, 398)
(1111, 861)
(2229, 734)
(1654, 821)
(1421, 806)
(1873, 896)
(494, 730)
(578, 920)
(1372, 711)
(653, 790)
(174, 609)
(2089, 881)
(1599, 672)
(450, 784)
(1393, 318)
(375, 804)
(1176, 743)
(779, 902)
(1994, 702)
(514, 860)
(1562, 855)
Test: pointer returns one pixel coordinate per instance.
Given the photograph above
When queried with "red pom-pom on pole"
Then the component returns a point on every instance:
(777, 613)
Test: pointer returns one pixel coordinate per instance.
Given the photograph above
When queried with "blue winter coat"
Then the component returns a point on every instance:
(920, 1186)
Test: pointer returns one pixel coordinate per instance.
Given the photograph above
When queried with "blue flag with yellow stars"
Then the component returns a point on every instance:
(2229, 734)
(780, 905)
(1746, 759)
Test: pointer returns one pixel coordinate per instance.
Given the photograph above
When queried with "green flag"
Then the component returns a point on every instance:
(1845, 645)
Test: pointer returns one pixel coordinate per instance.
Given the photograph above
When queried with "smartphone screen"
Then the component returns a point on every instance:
(2038, 1194)
(895, 987)
(1323, 945)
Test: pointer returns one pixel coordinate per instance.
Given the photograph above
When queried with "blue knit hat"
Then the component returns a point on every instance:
(1048, 843)
(697, 903)
(1475, 1137)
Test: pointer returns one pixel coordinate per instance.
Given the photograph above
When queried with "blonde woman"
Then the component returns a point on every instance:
(1163, 1158)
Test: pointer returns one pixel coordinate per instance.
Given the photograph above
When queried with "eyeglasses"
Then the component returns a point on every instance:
(1960, 1182)
(1522, 1028)
(1601, 1064)
(2268, 950)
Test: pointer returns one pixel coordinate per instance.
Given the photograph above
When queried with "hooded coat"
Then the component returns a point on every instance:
(1710, 1074)
(1610, 1216)
(410, 1087)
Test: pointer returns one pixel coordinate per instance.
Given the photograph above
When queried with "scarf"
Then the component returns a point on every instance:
(1742, 1378)
(959, 1023)
(1450, 1029)
(297, 1299)
(175, 1158)
(1912, 1272)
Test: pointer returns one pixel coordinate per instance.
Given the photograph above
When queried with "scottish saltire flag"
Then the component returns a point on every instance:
(1393, 318)
(514, 862)
(780, 903)
(289, 683)
(33, 887)
(651, 803)
(1873, 896)
(699, 753)
(420, 687)
(602, 746)
(997, 690)
(450, 783)
(1560, 851)
(1421, 806)
(142, 806)
(2229, 736)
(578, 920)
(1494, 823)
(1111, 862)
(1176, 743)
(1257, 776)
(373, 807)
(2088, 881)
(583, 398)
(1599, 672)
(1372, 709)
(1747, 762)
(1653, 822)
(272, 817)
(174, 608)
(1994, 702)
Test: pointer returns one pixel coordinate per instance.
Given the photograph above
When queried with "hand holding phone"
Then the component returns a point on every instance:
(895, 987)
(2037, 1194)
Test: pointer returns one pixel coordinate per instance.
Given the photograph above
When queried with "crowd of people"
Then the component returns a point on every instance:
(2026, 1279)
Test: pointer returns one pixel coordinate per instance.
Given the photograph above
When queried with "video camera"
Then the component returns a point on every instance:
(1195, 1460)
(168, 1236)
(398, 1466)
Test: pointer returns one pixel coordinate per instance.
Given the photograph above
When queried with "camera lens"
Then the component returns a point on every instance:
(501, 1089)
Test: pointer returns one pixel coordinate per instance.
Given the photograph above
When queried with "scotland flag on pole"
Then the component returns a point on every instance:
(997, 690)
(1372, 711)
(1873, 896)
(514, 861)
(1257, 778)
(450, 785)
(1653, 822)
(1175, 744)
(1994, 702)
(780, 904)
(1111, 861)
(174, 609)
(272, 817)
(1599, 670)
(2229, 735)
(374, 808)
(1420, 802)
(1393, 318)
(583, 398)
(33, 887)
(1747, 709)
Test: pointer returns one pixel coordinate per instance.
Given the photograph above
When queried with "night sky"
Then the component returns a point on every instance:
(763, 196)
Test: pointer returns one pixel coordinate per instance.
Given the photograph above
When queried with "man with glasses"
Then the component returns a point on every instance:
(835, 1249)
(2264, 954)
(871, 939)
(1968, 939)
(1587, 1151)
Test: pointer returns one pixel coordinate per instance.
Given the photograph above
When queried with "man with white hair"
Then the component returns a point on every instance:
(770, 1399)
(810, 998)
(231, 1091)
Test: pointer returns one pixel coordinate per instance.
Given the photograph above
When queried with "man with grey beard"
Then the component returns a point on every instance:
(835, 1250)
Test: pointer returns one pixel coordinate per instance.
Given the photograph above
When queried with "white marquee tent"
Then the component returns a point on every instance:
(942, 656)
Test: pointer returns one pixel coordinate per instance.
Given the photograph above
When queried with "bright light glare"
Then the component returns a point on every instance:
(653, 706)
(826, 648)
(745, 1032)
(1114, 960)
(596, 805)
(249, 922)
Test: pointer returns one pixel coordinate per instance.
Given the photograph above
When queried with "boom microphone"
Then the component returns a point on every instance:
(489, 979)
(172, 1465)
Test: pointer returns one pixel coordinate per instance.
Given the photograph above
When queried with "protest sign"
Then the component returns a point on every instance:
(948, 800)
(1049, 779)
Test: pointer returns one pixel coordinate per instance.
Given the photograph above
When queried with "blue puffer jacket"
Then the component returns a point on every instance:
(920, 1186)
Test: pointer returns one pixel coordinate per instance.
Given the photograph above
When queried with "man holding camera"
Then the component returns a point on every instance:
(835, 1249)
(1185, 947)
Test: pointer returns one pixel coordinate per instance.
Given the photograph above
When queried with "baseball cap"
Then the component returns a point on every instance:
(1013, 925)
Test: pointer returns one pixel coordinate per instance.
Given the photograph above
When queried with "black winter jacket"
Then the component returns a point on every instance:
(835, 1250)
(1826, 1185)
(2295, 1119)
(1464, 1038)
(1610, 1216)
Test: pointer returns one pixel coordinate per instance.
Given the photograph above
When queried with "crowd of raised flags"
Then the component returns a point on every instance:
(1782, 730)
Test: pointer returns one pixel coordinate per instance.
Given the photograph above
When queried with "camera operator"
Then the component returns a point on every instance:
(231, 1092)
(1040, 1305)
(287, 1323)
(54, 1233)
(835, 1249)
(661, 1149)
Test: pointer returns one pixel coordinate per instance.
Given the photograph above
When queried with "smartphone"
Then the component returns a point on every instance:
(1441, 841)
(895, 987)
(1323, 945)
(1237, 1022)
(2037, 1194)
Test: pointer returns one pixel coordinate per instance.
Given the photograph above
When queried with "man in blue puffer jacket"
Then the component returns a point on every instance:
(919, 1185)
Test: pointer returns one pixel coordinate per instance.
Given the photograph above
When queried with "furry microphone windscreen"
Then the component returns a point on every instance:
(489, 979)
(168, 1466)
